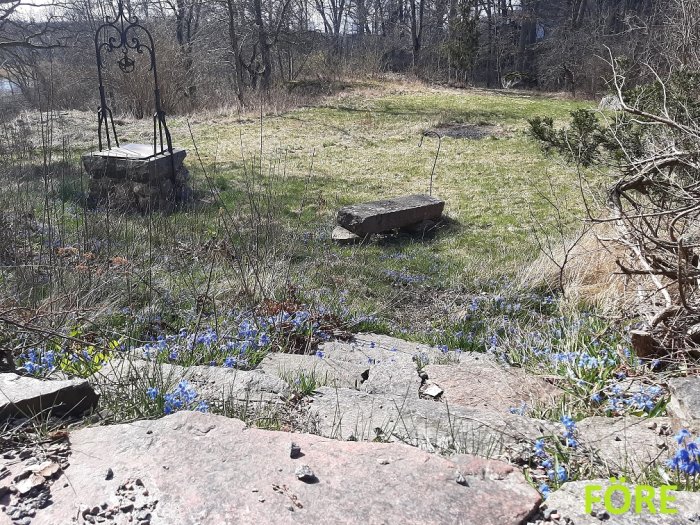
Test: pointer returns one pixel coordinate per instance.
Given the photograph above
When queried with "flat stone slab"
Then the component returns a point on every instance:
(133, 162)
(351, 415)
(391, 362)
(384, 349)
(469, 379)
(569, 502)
(481, 383)
(22, 396)
(627, 443)
(390, 214)
(130, 151)
(192, 468)
(685, 401)
(210, 382)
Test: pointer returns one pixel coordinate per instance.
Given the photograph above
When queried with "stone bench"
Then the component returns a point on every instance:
(390, 214)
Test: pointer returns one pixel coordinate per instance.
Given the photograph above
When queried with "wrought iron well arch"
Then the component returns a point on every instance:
(123, 34)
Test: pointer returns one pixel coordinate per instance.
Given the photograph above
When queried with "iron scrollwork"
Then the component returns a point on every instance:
(124, 34)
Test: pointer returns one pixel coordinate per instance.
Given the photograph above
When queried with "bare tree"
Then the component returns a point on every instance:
(18, 32)
(417, 17)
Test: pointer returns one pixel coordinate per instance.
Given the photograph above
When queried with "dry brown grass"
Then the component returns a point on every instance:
(591, 275)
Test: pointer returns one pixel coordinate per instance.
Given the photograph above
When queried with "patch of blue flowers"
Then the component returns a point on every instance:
(551, 457)
(41, 362)
(182, 397)
(37, 363)
(619, 400)
(402, 277)
(685, 463)
(528, 330)
(487, 321)
(239, 341)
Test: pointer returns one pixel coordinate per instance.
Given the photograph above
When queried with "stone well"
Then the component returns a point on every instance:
(132, 177)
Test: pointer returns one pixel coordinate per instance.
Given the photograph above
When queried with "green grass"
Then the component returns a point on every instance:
(366, 147)
(358, 146)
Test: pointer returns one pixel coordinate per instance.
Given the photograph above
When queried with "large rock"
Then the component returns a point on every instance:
(569, 502)
(627, 443)
(392, 363)
(685, 401)
(477, 381)
(382, 349)
(390, 214)
(351, 415)
(192, 468)
(210, 382)
(22, 396)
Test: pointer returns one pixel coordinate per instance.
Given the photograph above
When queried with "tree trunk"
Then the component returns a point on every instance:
(416, 29)
(264, 44)
(528, 35)
(238, 65)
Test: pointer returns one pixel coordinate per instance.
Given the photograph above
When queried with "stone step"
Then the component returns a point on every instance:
(321, 370)
(392, 363)
(351, 415)
(481, 383)
(390, 214)
(191, 468)
(22, 396)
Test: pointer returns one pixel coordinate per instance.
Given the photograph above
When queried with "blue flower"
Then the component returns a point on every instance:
(569, 431)
(181, 398)
(681, 436)
(568, 423)
(539, 447)
(49, 359)
(152, 393)
(693, 468)
(683, 455)
(559, 475)
(521, 410)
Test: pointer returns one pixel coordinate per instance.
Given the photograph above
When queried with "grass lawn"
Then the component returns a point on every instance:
(356, 146)
(365, 146)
